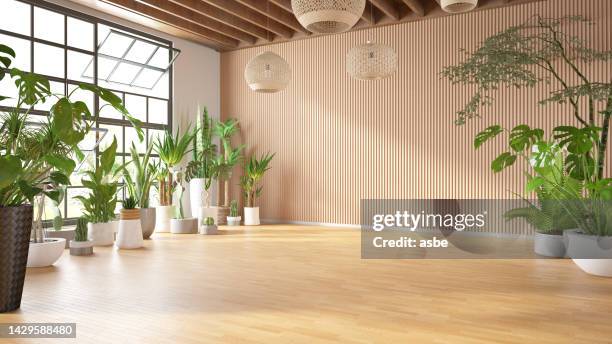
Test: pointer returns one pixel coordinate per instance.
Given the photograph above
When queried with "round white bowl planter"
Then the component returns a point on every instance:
(183, 226)
(147, 221)
(81, 248)
(46, 253)
(549, 245)
(251, 216)
(130, 231)
(163, 214)
(102, 234)
(233, 220)
(592, 254)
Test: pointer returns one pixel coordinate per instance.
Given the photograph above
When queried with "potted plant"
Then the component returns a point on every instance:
(225, 162)
(209, 227)
(180, 224)
(139, 182)
(129, 235)
(234, 218)
(253, 172)
(57, 230)
(201, 170)
(36, 160)
(99, 204)
(81, 245)
(521, 57)
(171, 151)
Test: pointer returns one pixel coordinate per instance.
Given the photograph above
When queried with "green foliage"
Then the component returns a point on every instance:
(254, 171)
(140, 179)
(486, 135)
(204, 151)
(504, 160)
(209, 221)
(172, 150)
(523, 137)
(81, 229)
(233, 208)
(129, 203)
(99, 204)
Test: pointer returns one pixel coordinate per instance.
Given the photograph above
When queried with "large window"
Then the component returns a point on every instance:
(70, 48)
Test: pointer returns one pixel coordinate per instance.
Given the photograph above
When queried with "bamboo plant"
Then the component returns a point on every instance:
(254, 171)
(203, 164)
(230, 157)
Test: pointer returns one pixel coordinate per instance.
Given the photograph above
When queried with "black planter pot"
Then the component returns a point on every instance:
(15, 226)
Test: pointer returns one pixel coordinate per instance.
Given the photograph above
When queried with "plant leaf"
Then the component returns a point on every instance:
(504, 160)
(486, 135)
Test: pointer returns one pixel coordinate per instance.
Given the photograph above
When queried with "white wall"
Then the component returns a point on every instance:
(196, 76)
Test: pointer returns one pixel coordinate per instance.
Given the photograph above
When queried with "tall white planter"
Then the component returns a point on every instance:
(163, 214)
(102, 234)
(251, 216)
(196, 194)
(130, 230)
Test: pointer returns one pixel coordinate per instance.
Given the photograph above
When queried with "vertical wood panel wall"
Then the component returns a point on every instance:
(339, 140)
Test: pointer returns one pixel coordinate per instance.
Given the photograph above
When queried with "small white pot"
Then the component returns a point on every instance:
(251, 216)
(549, 245)
(592, 254)
(102, 234)
(207, 212)
(233, 220)
(209, 230)
(183, 226)
(147, 221)
(45, 253)
(130, 230)
(81, 248)
(163, 214)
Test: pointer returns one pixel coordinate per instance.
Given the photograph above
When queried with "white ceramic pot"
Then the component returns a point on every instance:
(207, 212)
(81, 248)
(251, 216)
(592, 254)
(233, 220)
(45, 253)
(163, 214)
(209, 230)
(102, 234)
(183, 226)
(196, 194)
(147, 221)
(129, 235)
(549, 245)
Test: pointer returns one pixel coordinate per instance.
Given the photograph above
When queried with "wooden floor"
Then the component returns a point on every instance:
(294, 284)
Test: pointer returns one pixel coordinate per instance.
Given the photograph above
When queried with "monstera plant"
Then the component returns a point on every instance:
(36, 159)
(536, 52)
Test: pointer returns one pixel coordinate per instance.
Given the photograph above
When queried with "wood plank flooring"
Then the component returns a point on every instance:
(297, 284)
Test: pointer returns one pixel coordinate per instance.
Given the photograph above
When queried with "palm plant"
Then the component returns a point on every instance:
(140, 180)
(171, 151)
(203, 164)
(254, 170)
(230, 157)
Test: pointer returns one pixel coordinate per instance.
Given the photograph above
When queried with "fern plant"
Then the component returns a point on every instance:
(80, 233)
(254, 171)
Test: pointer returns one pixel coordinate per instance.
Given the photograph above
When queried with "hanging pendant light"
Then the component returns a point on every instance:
(328, 16)
(267, 73)
(371, 61)
(458, 6)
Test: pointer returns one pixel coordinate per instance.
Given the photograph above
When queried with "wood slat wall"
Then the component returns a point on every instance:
(339, 140)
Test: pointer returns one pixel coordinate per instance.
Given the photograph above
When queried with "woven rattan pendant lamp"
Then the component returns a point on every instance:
(267, 73)
(328, 16)
(458, 6)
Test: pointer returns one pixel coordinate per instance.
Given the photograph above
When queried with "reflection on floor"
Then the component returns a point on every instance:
(285, 283)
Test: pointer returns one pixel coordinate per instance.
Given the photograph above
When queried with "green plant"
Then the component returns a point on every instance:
(171, 151)
(140, 179)
(203, 164)
(231, 156)
(99, 204)
(209, 221)
(532, 53)
(58, 220)
(129, 203)
(80, 233)
(37, 159)
(254, 170)
(233, 209)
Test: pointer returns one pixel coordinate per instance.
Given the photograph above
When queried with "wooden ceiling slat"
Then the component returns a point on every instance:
(415, 6)
(254, 17)
(156, 14)
(222, 16)
(199, 19)
(284, 4)
(387, 7)
(275, 13)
